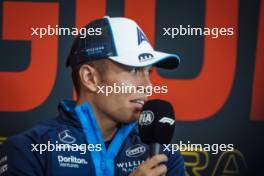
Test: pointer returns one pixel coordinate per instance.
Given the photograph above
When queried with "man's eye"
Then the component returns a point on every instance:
(150, 71)
(133, 70)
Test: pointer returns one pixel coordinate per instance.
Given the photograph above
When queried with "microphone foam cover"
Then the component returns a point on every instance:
(156, 122)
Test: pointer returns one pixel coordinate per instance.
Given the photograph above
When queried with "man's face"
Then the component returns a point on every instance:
(122, 107)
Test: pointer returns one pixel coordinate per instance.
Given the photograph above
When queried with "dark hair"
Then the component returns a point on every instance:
(100, 65)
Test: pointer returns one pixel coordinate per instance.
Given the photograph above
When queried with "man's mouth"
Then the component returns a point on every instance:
(142, 102)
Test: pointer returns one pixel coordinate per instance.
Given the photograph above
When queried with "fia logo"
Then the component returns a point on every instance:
(146, 118)
(141, 36)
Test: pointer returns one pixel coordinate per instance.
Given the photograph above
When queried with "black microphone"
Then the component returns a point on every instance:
(156, 124)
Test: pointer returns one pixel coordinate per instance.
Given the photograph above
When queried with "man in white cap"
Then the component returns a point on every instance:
(119, 55)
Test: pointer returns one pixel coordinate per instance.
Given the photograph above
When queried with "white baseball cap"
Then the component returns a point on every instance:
(120, 40)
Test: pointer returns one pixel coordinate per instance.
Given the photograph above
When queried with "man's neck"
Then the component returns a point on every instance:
(107, 126)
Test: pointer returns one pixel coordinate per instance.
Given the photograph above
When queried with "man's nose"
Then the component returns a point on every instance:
(146, 82)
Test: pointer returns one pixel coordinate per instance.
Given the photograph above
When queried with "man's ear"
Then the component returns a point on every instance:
(89, 77)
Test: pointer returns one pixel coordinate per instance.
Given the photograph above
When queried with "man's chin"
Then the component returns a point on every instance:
(134, 118)
(130, 119)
